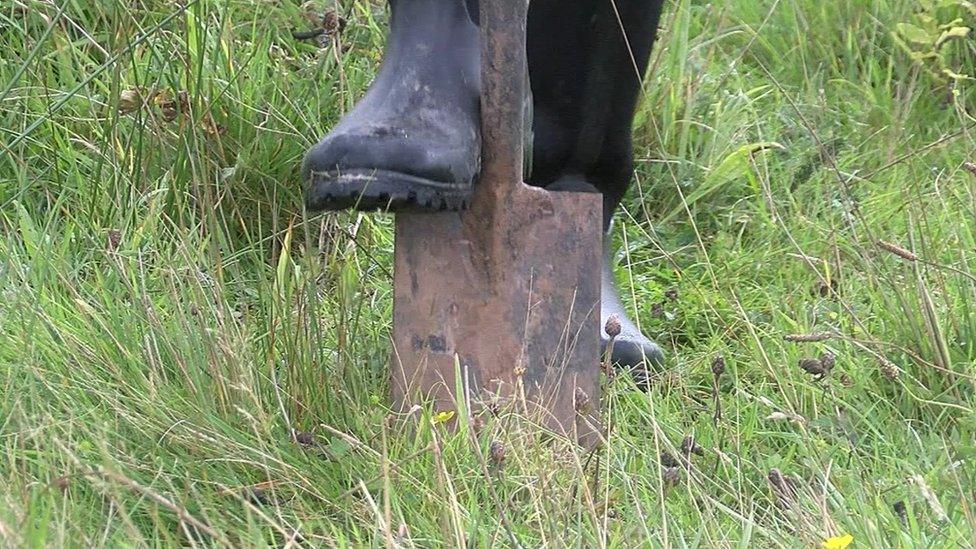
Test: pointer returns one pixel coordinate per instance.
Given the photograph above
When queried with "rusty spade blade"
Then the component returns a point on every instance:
(506, 293)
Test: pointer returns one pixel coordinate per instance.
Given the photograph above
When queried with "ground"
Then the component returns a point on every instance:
(188, 357)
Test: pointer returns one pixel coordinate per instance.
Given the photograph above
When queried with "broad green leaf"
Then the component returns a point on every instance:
(915, 34)
(952, 33)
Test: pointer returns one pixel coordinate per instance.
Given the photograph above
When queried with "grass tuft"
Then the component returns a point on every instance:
(188, 358)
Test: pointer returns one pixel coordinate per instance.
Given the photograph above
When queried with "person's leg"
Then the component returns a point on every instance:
(413, 141)
(585, 66)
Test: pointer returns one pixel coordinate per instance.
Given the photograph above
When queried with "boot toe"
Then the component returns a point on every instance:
(636, 355)
(630, 351)
(389, 152)
(386, 169)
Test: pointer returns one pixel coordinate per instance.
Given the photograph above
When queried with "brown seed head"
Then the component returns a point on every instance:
(496, 451)
(672, 294)
(812, 366)
(898, 250)
(900, 509)
(782, 486)
(169, 108)
(718, 366)
(671, 476)
(61, 483)
(612, 327)
(305, 439)
(333, 23)
(845, 380)
(114, 239)
(211, 127)
(668, 460)
(889, 370)
(183, 100)
(494, 406)
(129, 101)
(689, 446)
(581, 400)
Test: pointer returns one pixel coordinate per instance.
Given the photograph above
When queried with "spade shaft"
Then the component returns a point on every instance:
(500, 302)
(503, 93)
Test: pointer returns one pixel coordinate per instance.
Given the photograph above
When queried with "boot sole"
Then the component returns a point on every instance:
(381, 190)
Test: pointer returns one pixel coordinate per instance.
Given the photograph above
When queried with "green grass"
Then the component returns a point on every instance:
(170, 315)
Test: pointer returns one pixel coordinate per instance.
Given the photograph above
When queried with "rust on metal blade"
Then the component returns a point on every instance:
(522, 318)
(507, 293)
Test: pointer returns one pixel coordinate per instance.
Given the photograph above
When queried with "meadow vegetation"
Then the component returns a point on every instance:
(187, 357)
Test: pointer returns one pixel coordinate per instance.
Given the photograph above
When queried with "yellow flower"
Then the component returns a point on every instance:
(443, 417)
(839, 542)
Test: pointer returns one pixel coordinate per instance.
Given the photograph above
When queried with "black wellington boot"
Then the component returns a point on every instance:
(413, 142)
(631, 351)
(585, 67)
